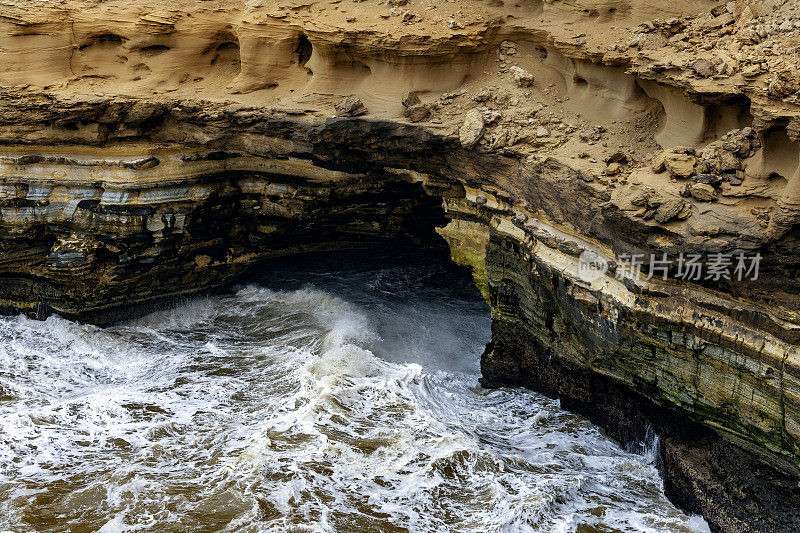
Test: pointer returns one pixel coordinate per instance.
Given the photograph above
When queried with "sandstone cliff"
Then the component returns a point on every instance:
(150, 151)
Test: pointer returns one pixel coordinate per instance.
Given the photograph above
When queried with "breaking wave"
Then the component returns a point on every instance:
(348, 404)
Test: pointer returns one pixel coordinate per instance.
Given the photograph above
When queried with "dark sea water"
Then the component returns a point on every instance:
(334, 393)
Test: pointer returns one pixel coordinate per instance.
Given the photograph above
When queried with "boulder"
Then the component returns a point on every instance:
(483, 95)
(648, 197)
(669, 210)
(742, 143)
(753, 71)
(351, 106)
(417, 113)
(714, 159)
(703, 192)
(660, 161)
(680, 165)
(708, 179)
(783, 84)
(411, 99)
(703, 68)
(471, 130)
(521, 77)
(617, 157)
(590, 135)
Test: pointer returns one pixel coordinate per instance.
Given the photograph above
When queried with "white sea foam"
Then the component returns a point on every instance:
(269, 410)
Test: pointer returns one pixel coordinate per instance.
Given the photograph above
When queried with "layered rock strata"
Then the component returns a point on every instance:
(149, 154)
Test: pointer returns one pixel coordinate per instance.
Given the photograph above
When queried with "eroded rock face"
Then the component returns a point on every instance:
(169, 151)
(101, 244)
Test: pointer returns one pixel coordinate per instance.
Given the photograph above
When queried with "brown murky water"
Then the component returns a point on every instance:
(330, 394)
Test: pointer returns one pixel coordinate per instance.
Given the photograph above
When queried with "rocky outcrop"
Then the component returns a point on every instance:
(167, 152)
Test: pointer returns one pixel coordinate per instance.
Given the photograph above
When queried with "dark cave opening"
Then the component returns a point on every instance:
(303, 50)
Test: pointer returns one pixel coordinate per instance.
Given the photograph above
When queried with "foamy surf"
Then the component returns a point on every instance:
(349, 404)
